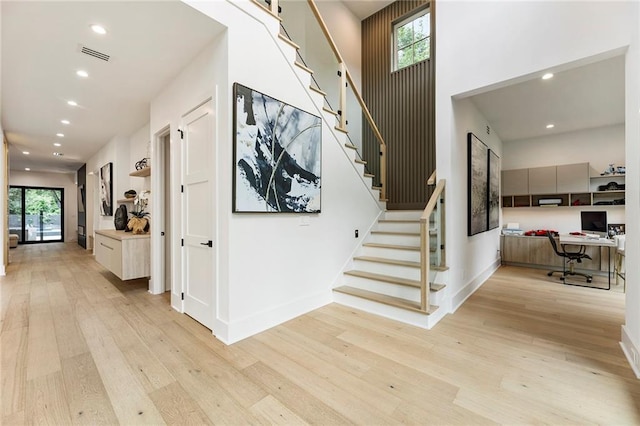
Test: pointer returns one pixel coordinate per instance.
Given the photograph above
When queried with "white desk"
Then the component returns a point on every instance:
(576, 240)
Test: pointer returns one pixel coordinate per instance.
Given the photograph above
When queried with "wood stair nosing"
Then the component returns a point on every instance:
(288, 41)
(369, 175)
(387, 300)
(330, 111)
(384, 260)
(302, 66)
(384, 278)
(379, 188)
(391, 246)
(351, 146)
(404, 234)
(359, 161)
(340, 129)
(436, 287)
(399, 220)
(439, 268)
(315, 89)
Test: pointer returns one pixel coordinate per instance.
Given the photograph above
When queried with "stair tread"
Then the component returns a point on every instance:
(288, 40)
(330, 111)
(315, 89)
(340, 129)
(388, 261)
(369, 175)
(436, 287)
(411, 234)
(351, 146)
(359, 161)
(438, 268)
(387, 300)
(392, 246)
(304, 67)
(385, 278)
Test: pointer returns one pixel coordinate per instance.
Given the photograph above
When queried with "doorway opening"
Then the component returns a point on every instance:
(36, 214)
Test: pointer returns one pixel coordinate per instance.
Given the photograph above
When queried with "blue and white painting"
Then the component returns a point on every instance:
(277, 158)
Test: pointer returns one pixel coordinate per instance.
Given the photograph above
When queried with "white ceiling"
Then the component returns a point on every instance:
(585, 97)
(149, 43)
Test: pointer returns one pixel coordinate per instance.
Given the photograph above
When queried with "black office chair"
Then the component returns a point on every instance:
(571, 258)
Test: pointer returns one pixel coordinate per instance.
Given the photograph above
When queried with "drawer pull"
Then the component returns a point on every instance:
(104, 245)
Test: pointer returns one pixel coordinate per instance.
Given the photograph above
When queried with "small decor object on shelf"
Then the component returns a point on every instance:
(130, 194)
(120, 218)
(614, 170)
(144, 163)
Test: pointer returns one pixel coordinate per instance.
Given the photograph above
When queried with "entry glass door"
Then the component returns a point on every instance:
(36, 214)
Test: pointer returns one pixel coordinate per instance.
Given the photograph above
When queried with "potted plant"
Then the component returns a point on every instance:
(139, 223)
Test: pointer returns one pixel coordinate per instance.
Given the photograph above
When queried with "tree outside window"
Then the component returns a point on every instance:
(412, 39)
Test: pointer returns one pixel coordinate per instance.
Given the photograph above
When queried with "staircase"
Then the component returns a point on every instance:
(384, 277)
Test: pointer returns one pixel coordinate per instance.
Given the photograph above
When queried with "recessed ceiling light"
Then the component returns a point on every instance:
(547, 76)
(82, 73)
(550, 126)
(60, 135)
(25, 152)
(57, 144)
(58, 154)
(98, 29)
(65, 122)
(72, 103)
(27, 169)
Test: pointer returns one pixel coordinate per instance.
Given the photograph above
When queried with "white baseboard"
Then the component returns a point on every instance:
(631, 351)
(231, 332)
(459, 298)
(3, 270)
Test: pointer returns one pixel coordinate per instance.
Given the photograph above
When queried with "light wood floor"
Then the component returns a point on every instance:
(78, 346)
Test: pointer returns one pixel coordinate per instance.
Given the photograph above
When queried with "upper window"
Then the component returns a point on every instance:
(411, 39)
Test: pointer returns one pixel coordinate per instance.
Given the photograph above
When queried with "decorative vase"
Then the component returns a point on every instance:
(120, 218)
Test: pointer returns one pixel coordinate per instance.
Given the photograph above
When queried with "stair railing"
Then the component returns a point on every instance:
(431, 225)
(346, 80)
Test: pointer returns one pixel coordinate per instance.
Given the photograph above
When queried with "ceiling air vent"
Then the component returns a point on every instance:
(94, 53)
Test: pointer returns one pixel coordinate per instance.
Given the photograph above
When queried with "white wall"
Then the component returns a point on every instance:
(271, 268)
(599, 147)
(4, 210)
(485, 44)
(67, 181)
(478, 255)
(631, 329)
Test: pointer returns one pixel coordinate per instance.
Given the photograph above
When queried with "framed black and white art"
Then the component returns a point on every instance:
(478, 180)
(106, 190)
(277, 155)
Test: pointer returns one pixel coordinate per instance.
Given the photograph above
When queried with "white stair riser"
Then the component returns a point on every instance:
(386, 269)
(402, 240)
(403, 214)
(436, 297)
(402, 315)
(399, 227)
(410, 255)
(381, 287)
(304, 75)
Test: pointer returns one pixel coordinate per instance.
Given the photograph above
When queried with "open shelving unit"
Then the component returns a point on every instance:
(142, 172)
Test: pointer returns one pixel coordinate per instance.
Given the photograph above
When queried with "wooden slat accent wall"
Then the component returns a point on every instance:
(402, 104)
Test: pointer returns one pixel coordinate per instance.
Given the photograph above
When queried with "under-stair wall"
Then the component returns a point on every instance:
(273, 267)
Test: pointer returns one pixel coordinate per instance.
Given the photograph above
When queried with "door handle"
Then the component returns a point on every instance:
(208, 243)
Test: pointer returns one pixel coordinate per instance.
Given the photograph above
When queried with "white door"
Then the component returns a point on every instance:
(198, 258)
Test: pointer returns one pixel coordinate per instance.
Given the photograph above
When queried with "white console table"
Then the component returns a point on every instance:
(123, 253)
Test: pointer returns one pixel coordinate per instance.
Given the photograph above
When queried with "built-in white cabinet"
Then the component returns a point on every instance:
(564, 185)
(515, 182)
(542, 180)
(123, 253)
(572, 178)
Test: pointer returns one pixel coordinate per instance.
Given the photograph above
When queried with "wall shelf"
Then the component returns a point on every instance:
(125, 200)
(142, 172)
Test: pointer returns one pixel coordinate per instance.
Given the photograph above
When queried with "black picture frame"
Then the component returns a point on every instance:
(493, 209)
(106, 190)
(277, 155)
(477, 185)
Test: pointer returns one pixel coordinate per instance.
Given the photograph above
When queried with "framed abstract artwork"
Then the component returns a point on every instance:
(478, 179)
(277, 155)
(106, 190)
(494, 190)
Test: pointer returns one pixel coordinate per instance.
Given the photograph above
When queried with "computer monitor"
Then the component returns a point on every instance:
(594, 223)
